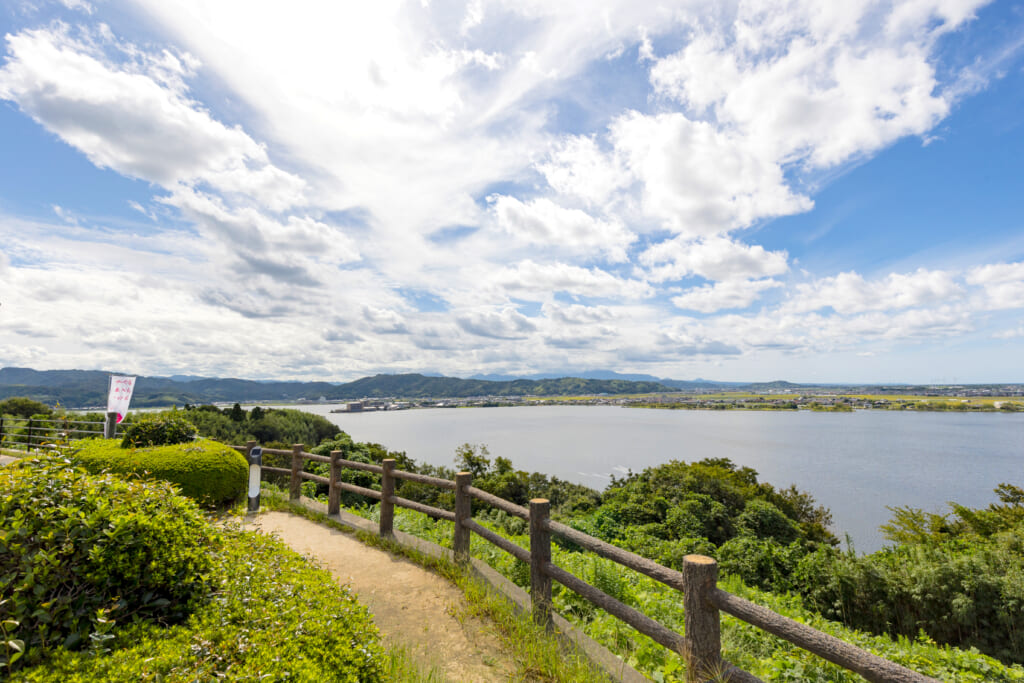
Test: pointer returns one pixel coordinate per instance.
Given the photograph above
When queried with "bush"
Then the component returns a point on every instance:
(78, 550)
(209, 472)
(159, 430)
(273, 616)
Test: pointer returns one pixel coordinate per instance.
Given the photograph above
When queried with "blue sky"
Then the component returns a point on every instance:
(735, 190)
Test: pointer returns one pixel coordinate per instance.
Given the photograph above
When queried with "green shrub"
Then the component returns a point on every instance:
(272, 616)
(78, 550)
(159, 430)
(207, 471)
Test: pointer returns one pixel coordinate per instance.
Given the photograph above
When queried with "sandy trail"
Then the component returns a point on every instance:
(411, 606)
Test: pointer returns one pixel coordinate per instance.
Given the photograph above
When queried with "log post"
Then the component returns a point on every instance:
(463, 513)
(333, 492)
(387, 495)
(540, 558)
(703, 626)
(295, 484)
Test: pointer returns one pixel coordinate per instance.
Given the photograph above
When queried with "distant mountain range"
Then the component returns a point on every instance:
(88, 388)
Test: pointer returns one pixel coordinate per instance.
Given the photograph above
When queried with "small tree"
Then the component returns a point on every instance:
(473, 458)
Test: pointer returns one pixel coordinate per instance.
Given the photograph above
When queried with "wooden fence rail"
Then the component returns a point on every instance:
(703, 601)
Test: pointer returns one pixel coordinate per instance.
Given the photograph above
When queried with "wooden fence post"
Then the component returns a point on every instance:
(333, 492)
(540, 558)
(387, 494)
(702, 622)
(295, 484)
(463, 512)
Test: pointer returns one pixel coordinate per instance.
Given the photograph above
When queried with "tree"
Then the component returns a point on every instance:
(24, 407)
(236, 413)
(473, 458)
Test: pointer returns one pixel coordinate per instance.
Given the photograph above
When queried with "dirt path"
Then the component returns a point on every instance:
(410, 605)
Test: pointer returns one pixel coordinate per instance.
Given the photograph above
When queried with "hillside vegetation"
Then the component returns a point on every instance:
(103, 579)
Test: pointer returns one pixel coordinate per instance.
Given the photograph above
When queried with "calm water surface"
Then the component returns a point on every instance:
(856, 464)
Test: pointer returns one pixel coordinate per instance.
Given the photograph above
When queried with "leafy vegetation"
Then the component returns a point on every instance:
(924, 595)
(158, 430)
(107, 579)
(79, 551)
(209, 472)
(23, 407)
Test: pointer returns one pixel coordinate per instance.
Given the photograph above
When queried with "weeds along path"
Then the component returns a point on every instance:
(412, 607)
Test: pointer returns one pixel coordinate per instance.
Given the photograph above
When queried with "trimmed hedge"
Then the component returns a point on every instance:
(79, 551)
(206, 471)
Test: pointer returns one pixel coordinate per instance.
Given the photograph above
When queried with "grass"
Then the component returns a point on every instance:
(538, 655)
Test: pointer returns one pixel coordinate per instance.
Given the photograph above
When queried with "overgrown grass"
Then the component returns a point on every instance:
(747, 647)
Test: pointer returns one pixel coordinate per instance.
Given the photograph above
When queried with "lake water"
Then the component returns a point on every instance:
(856, 464)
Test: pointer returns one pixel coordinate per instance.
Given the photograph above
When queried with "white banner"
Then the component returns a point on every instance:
(120, 395)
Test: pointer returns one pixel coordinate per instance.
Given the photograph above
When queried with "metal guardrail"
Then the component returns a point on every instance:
(28, 433)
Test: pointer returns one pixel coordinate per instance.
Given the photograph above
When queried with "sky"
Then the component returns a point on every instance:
(747, 191)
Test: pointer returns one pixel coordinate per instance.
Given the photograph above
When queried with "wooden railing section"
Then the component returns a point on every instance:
(702, 599)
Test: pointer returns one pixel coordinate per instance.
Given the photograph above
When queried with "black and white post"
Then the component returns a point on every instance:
(254, 456)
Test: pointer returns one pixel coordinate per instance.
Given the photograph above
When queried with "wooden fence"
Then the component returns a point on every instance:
(702, 599)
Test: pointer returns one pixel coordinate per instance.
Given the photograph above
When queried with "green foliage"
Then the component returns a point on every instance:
(209, 472)
(272, 616)
(959, 578)
(163, 429)
(753, 650)
(78, 551)
(280, 427)
(24, 407)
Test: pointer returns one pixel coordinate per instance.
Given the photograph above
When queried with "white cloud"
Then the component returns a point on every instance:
(723, 295)
(135, 117)
(340, 172)
(816, 83)
(506, 323)
(848, 293)
(715, 258)
(699, 180)
(544, 280)
(577, 167)
(577, 314)
(81, 5)
(544, 223)
(1013, 333)
(1002, 284)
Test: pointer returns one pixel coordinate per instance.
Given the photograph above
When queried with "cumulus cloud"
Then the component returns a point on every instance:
(848, 293)
(723, 295)
(699, 180)
(542, 222)
(506, 323)
(819, 84)
(545, 279)
(1002, 284)
(715, 258)
(313, 177)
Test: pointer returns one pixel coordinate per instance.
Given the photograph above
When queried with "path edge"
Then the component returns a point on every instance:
(611, 664)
